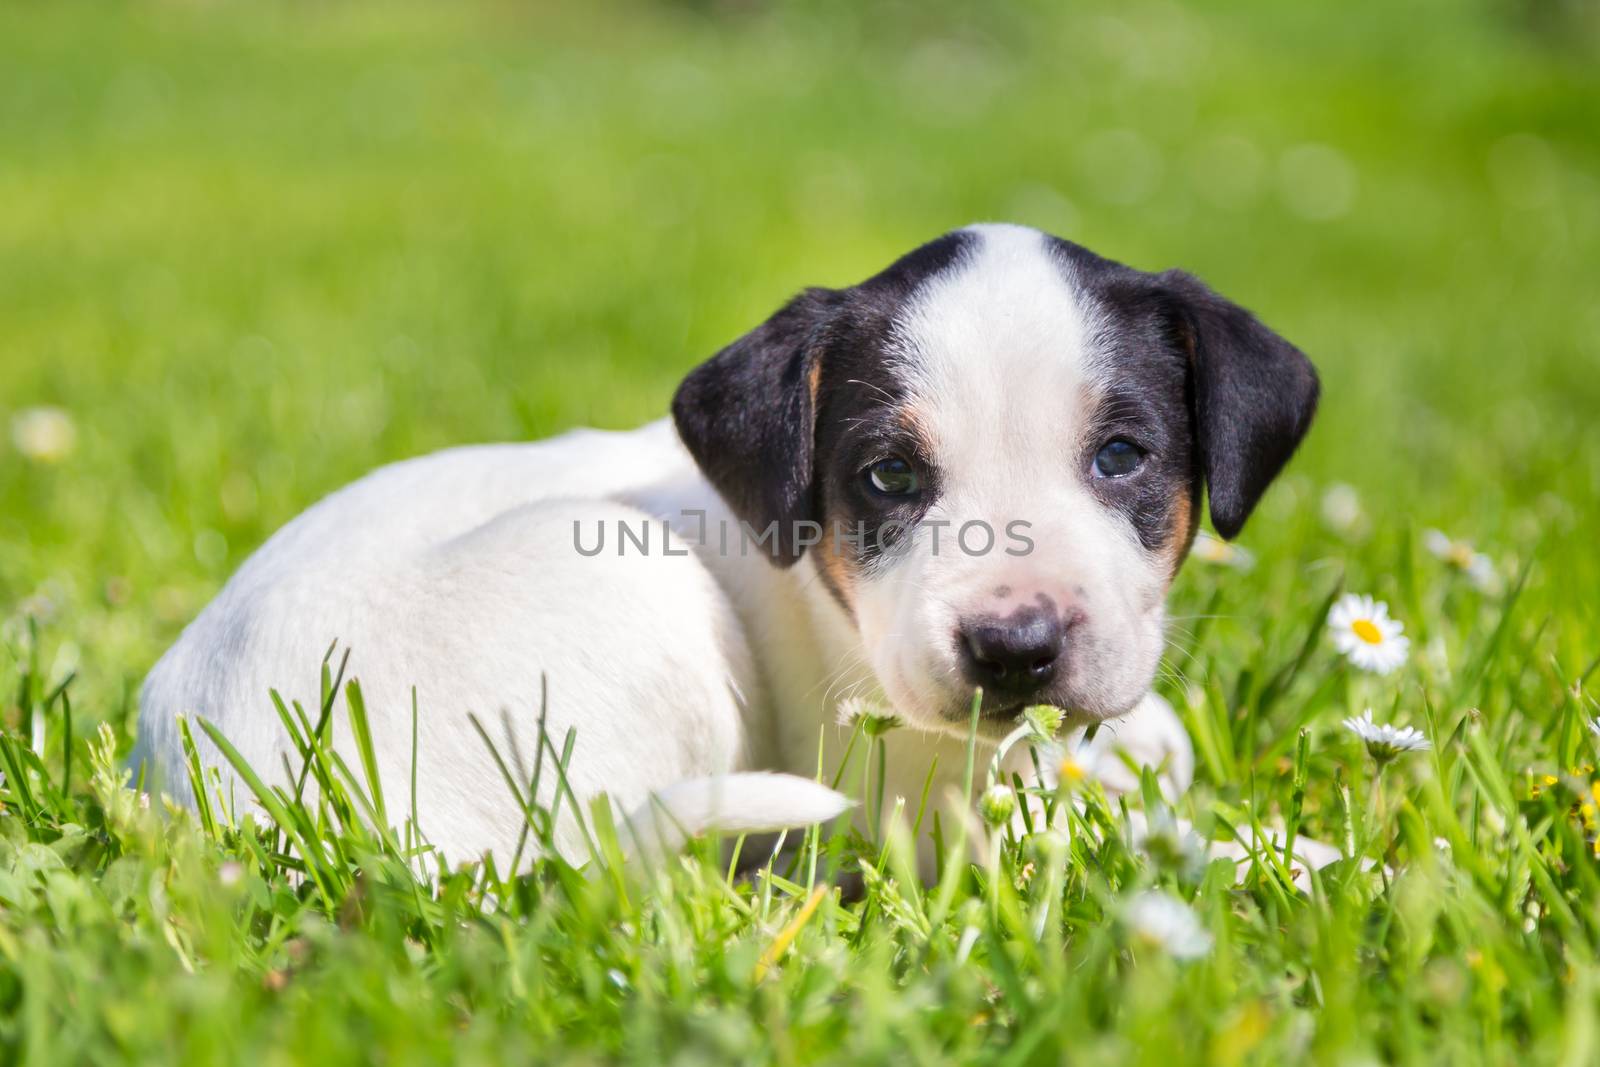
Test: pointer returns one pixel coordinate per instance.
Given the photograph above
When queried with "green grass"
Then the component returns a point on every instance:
(256, 250)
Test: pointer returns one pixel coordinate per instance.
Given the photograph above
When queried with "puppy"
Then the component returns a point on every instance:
(978, 469)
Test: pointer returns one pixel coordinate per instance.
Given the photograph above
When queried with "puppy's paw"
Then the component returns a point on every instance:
(1151, 735)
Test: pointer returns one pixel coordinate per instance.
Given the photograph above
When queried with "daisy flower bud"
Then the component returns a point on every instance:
(1044, 721)
(875, 719)
(997, 805)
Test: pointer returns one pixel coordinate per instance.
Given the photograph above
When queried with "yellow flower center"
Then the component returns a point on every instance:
(1367, 631)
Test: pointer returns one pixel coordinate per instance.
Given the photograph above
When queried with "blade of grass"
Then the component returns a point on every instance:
(361, 728)
(277, 811)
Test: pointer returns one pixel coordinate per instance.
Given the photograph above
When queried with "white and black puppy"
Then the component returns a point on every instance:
(981, 467)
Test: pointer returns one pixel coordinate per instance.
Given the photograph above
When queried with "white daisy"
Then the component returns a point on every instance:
(1167, 844)
(1162, 921)
(1384, 742)
(1363, 631)
(876, 720)
(44, 434)
(1211, 549)
(1478, 568)
(1341, 508)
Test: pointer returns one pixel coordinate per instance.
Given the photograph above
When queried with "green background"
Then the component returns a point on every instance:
(255, 250)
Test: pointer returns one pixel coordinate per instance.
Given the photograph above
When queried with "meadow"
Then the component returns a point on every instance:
(249, 252)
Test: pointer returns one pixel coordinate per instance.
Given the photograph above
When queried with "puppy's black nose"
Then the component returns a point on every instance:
(1015, 654)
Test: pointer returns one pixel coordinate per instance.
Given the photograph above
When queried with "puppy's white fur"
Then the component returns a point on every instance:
(455, 576)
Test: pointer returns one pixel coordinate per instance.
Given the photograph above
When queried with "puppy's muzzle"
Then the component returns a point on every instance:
(1014, 658)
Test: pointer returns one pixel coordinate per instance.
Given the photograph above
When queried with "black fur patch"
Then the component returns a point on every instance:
(746, 416)
(861, 413)
(1200, 384)
(778, 454)
(1254, 397)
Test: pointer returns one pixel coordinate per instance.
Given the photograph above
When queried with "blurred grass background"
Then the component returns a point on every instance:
(253, 251)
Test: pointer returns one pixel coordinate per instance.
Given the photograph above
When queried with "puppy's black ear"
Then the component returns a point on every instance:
(748, 417)
(1254, 396)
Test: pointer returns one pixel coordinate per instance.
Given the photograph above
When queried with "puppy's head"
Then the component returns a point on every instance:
(995, 451)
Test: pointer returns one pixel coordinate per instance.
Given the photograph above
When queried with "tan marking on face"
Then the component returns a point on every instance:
(837, 570)
(916, 423)
(1185, 527)
(814, 379)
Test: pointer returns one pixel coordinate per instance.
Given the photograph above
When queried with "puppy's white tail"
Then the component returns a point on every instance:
(726, 803)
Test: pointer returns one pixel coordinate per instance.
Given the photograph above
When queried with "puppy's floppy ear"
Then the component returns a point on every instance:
(748, 417)
(1254, 396)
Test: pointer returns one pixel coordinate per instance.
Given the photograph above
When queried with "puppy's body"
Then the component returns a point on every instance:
(999, 367)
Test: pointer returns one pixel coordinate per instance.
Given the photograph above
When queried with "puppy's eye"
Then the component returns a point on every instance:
(893, 477)
(1118, 459)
